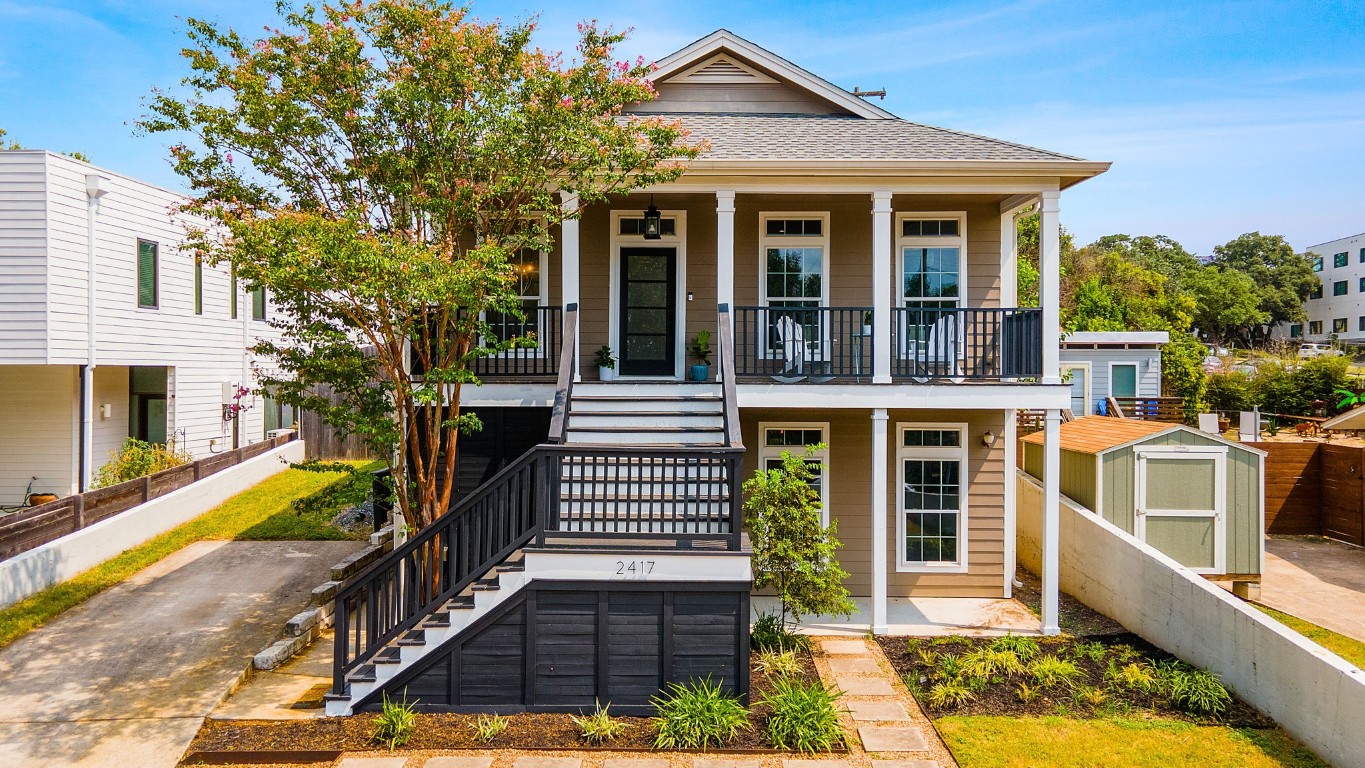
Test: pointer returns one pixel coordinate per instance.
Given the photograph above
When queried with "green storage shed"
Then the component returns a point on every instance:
(1197, 497)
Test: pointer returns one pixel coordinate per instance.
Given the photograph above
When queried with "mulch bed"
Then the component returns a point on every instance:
(1000, 695)
(439, 731)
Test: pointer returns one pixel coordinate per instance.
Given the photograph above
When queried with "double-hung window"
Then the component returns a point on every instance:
(932, 268)
(529, 274)
(147, 275)
(932, 498)
(795, 280)
(795, 438)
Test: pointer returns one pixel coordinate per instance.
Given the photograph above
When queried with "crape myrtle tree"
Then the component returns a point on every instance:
(374, 166)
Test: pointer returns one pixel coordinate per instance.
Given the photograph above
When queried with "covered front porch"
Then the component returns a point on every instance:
(921, 617)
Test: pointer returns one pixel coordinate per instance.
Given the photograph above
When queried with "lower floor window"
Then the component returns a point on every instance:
(796, 439)
(933, 498)
(1339, 325)
(1314, 326)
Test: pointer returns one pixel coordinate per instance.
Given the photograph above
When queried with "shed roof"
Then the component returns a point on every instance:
(1101, 434)
(1352, 419)
(1117, 337)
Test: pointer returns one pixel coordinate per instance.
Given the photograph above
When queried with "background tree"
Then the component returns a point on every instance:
(794, 552)
(1227, 303)
(374, 165)
(1283, 278)
(12, 144)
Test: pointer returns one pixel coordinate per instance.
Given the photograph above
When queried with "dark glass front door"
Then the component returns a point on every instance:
(649, 281)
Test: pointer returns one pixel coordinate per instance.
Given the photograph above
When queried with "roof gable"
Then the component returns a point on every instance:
(722, 68)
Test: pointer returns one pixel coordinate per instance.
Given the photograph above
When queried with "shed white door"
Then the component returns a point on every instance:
(1182, 504)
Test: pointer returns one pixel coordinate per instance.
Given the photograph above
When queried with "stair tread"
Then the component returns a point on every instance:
(645, 396)
(642, 428)
(637, 414)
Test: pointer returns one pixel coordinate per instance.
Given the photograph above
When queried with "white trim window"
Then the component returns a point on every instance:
(1123, 389)
(532, 290)
(931, 505)
(933, 259)
(795, 437)
(793, 280)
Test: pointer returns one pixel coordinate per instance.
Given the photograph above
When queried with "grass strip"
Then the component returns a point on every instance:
(1347, 648)
(269, 504)
(988, 741)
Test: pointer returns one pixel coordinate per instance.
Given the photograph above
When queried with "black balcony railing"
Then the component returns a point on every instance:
(950, 344)
(804, 343)
(544, 324)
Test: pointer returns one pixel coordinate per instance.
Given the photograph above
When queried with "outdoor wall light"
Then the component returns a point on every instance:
(653, 222)
(988, 439)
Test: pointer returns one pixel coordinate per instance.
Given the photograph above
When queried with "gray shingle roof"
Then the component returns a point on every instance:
(832, 137)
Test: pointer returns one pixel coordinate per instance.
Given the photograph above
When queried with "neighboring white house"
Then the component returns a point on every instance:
(169, 334)
(1338, 306)
(1111, 364)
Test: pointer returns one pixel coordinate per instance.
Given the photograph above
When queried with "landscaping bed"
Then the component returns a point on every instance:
(441, 731)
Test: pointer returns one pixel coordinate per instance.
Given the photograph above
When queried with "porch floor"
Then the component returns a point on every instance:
(971, 616)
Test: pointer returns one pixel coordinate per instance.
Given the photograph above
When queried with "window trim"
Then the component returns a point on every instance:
(542, 300)
(1088, 367)
(1137, 377)
(156, 274)
(676, 241)
(766, 452)
(766, 241)
(904, 452)
(930, 241)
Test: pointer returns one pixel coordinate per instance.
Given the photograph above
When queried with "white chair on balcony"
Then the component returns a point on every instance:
(942, 353)
(791, 344)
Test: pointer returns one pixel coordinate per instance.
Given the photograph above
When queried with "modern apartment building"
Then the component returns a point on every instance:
(1337, 307)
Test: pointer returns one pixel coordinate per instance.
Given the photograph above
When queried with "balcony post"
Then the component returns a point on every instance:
(882, 266)
(725, 253)
(1052, 478)
(880, 458)
(1050, 282)
(568, 267)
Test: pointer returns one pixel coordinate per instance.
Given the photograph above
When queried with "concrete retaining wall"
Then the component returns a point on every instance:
(1313, 694)
(59, 560)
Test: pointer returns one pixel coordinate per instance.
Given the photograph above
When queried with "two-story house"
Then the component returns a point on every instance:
(108, 330)
(856, 274)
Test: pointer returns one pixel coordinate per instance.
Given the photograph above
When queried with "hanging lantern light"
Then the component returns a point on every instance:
(653, 221)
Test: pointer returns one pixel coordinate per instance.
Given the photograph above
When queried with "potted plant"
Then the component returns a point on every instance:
(867, 323)
(606, 364)
(701, 352)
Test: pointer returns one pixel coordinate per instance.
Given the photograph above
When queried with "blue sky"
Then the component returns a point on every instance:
(1220, 117)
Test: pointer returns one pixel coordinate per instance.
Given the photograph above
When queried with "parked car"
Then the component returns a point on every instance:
(1310, 350)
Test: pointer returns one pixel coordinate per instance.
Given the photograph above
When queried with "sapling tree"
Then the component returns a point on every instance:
(794, 552)
(375, 166)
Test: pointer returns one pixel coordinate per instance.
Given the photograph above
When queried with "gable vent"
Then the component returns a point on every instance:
(722, 69)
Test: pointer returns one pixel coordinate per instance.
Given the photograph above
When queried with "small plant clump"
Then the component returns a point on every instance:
(1049, 670)
(990, 662)
(1025, 648)
(950, 693)
(804, 716)
(774, 663)
(488, 727)
(394, 724)
(770, 633)
(697, 715)
(136, 458)
(600, 726)
(1196, 691)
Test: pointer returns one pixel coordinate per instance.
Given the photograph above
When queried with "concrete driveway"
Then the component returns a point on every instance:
(1317, 580)
(126, 678)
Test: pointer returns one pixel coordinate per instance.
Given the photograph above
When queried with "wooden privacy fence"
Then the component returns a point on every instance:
(322, 442)
(1315, 489)
(40, 524)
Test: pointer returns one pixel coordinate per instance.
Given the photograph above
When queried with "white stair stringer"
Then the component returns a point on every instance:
(548, 565)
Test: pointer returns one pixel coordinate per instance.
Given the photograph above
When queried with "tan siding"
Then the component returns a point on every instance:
(762, 98)
(983, 239)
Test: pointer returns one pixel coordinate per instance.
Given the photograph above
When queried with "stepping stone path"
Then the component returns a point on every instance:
(893, 731)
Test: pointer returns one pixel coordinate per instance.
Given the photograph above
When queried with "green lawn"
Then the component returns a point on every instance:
(1347, 648)
(1060, 742)
(265, 512)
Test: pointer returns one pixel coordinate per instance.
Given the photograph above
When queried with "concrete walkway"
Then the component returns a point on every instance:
(1317, 580)
(126, 678)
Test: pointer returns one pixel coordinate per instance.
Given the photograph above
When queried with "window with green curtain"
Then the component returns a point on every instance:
(258, 303)
(1123, 380)
(198, 285)
(146, 274)
(232, 292)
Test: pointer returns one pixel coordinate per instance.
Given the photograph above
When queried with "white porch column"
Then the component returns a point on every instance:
(1009, 260)
(880, 459)
(1052, 477)
(568, 268)
(882, 264)
(725, 250)
(1050, 282)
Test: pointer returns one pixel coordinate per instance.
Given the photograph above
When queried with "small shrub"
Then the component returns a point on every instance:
(1197, 691)
(987, 662)
(1026, 693)
(1093, 651)
(949, 694)
(912, 645)
(600, 726)
(1025, 648)
(949, 667)
(928, 658)
(395, 722)
(771, 634)
(804, 717)
(488, 727)
(1049, 670)
(778, 663)
(942, 640)
(697, 715)
(1089, 694)
(915, 684)
(1125, 653)
(1132, 676)
(135, 459)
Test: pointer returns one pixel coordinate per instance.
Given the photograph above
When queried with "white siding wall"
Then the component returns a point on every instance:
(38, 429)
(111, 386)
(23, 280)
(1149, 375)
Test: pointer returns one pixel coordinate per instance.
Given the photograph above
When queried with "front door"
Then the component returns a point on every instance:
(1181, 500)
(648, 327)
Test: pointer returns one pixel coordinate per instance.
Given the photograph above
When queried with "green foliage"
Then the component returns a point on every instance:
(1349, 399)
(1196, 691)
(600, 726)
(771, 633)
(697, 715)
(700, 347)
(1231, 392)
(604, 358)
(1227, 302)
(1182, 372)
(1088, 650)
(949, 667)
(1049, 670)
(341, 161)
(394, 724)
(947, 694)
(1278, 389)
(1027, 694)
(794, 553)
(135, 459)
(1024, 647)
(775, 663)
(1283, 278)
(1133, 676)
(804, 717)
(989, 662)
(488, 727)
